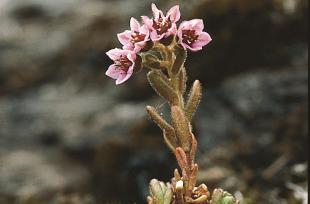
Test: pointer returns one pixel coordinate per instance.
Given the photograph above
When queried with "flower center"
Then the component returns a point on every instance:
(189, 36)
(123, 63)
(161, 25)
(137, 37)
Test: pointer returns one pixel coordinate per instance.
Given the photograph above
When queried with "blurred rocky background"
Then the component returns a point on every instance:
(68, 135)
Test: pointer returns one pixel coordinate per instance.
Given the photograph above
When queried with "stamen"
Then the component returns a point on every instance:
(189, 37)
(123, 63)
(161, 25)
(137, 37)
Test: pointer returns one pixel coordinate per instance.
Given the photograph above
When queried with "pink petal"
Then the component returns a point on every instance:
(128, 47)
(154, 36)
(179, 34)
(114, 53)
(173, 30)
(156, 12)
(185, 46)
(126, 52)
(121, 78)
(185, 25)
(154, 8)
(204, 37)
(147, 21)
(145, 31)
(139, 46)
(195, 48)
(113, 72)
(124, 37)
(134, 24)
(174, 14)
(197, 25)
(124, 76)
(132, 56)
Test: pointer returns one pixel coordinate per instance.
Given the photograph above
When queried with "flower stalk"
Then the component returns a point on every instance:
(159, 45)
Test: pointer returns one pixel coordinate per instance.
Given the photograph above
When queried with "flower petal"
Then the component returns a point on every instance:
(154, 36)
(174, 14)
(156, 12)
(124, 76)
(195, 48)
(121, 78)
(134, 24)
(128, 47)
(197, 25)
(185, 25)
(172, 31)
(185, 46)
(124, 37)
(114, 53)
(145, 31)
(132, 56)
(147, 21)
(113, 72)
(139, 46)
(204, 37)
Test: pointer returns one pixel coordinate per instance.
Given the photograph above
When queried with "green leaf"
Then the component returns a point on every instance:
(193, 100)
(161, 84)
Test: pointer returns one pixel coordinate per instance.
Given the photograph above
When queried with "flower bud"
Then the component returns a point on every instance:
(179, 185)
(161, 192)
(168, 194)
(222, 197)
(177, 175)
(156, 189)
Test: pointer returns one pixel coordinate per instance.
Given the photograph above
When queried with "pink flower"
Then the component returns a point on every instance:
(162, 26)
(191, 36)
(124, 63)
(136, 38)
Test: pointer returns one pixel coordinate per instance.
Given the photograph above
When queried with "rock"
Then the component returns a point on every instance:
(250, 102)
(248, 123)
(25, 174)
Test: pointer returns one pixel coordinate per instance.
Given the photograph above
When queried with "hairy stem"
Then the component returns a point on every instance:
(181, 123)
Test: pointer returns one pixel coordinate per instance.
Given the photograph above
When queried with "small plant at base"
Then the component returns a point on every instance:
(159, 45)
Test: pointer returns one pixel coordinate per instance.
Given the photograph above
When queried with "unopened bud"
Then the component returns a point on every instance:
(156, 189)
(168, 194)
(161, 192)
(179, 185)
(222, 197)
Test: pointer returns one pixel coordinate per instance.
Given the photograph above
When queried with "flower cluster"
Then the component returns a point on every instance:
(142, 37)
